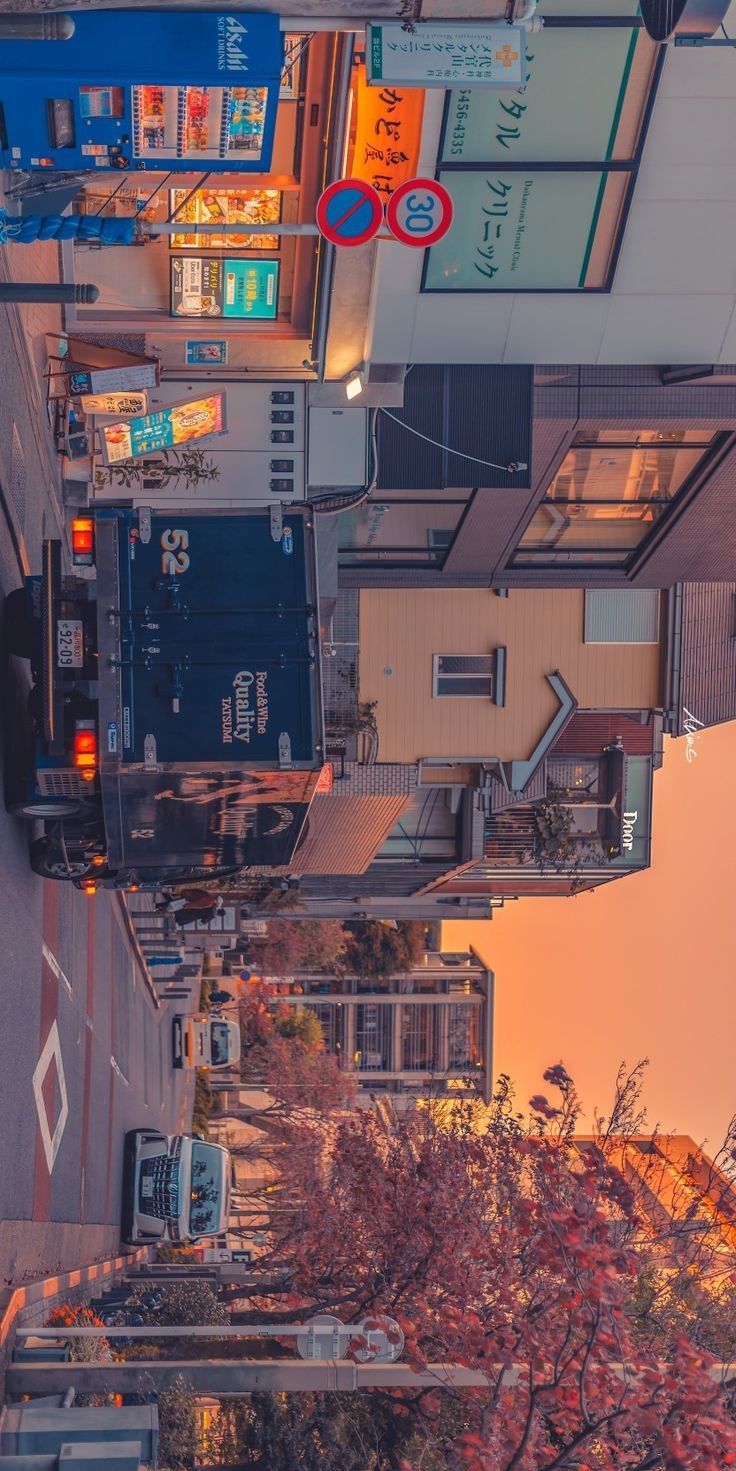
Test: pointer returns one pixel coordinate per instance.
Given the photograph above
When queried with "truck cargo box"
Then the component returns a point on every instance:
(210, 720)
(210, 624)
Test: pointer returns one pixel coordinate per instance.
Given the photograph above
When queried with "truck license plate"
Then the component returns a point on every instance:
(69, 643)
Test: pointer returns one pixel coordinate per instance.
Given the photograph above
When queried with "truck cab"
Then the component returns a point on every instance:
(205, 1041)
(176, 1188)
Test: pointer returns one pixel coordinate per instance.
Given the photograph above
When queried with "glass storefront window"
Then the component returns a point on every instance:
(608, 494)
(426, 831)
(404, 528)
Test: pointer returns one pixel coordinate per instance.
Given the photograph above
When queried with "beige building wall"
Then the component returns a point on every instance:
(542, 631)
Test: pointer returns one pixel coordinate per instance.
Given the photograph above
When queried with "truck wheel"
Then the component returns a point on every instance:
(21, 634)
(44, 811)
(49, 862)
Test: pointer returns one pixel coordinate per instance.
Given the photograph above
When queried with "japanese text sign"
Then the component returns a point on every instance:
(387, 136)
(446, 56)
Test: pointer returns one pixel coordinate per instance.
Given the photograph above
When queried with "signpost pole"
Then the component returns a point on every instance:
(239, 227)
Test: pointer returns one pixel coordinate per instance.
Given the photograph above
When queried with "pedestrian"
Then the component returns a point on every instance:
(199, 905)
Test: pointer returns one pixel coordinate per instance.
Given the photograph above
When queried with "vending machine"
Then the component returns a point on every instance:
(134, 89)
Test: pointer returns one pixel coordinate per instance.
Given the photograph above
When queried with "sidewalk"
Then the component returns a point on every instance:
(26, 325)
(29, 1306)
(163, 952)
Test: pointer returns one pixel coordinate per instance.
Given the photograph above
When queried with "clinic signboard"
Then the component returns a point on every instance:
(517, 231)
(208, 286)
(446, 55)
(540, 177)
(573, 106)
(167, 428)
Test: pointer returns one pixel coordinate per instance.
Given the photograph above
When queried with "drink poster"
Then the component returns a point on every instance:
(205, 286)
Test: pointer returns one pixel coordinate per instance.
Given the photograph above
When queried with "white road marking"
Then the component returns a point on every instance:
(55, 968)
(51, 1053)
(117, 1069)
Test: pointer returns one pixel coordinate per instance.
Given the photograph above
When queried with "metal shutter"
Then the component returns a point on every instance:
(483, 411)
(622, 616)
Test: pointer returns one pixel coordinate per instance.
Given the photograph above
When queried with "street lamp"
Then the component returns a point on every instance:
(691, 22)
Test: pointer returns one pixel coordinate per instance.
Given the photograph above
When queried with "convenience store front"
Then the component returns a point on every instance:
(228, 299)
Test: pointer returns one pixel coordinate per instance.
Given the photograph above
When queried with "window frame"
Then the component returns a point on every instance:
(613, 558)
(489, 678)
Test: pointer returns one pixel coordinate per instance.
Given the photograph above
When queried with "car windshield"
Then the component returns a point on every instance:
(207, 1190)
(219, 1043)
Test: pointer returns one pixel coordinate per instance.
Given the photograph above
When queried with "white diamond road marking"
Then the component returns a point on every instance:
(51, 1053)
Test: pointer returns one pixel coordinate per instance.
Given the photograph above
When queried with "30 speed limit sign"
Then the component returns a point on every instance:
(419, 212)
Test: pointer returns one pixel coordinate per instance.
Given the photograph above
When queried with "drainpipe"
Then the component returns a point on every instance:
(674, 601)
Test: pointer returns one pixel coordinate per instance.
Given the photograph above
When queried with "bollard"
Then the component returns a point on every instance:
(63, 291)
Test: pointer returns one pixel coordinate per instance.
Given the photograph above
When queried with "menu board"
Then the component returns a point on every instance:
(205, 286)
(113, 380)
(225, 207)
(165, 429)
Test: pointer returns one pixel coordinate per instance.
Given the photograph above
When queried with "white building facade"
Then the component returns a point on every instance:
(595, 210)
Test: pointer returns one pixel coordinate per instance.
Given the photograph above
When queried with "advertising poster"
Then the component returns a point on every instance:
(196, 286)
(225, 207)
(205, 286)
(126, 404)
(166, 429)
(206, 354)
(251, 289)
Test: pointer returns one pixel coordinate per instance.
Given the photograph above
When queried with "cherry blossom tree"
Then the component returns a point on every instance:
(501, 1246)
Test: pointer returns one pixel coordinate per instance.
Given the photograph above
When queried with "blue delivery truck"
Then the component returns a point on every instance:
(176, 705)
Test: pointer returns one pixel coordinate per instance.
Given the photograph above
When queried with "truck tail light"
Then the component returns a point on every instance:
(83, 541)
(85, 747)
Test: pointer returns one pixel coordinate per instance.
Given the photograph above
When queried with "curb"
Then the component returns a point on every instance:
(137, 951)
(45, 1288)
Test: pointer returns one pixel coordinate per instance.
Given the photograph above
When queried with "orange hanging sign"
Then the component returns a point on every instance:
(387, 134)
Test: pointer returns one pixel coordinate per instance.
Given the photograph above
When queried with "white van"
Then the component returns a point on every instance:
(205, 1041)
(176, 1187)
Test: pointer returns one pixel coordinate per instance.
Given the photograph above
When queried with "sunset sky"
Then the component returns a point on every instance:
(644, 967)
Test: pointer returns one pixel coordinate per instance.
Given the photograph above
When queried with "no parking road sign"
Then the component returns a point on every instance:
(349, 212)
(419, 212)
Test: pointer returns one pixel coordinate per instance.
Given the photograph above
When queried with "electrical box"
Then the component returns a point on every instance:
(260, 460)
(337, 448)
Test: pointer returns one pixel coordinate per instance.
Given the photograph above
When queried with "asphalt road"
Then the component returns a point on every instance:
(84, 1053)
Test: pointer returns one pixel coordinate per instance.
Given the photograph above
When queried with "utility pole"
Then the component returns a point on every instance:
(234, 1376)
